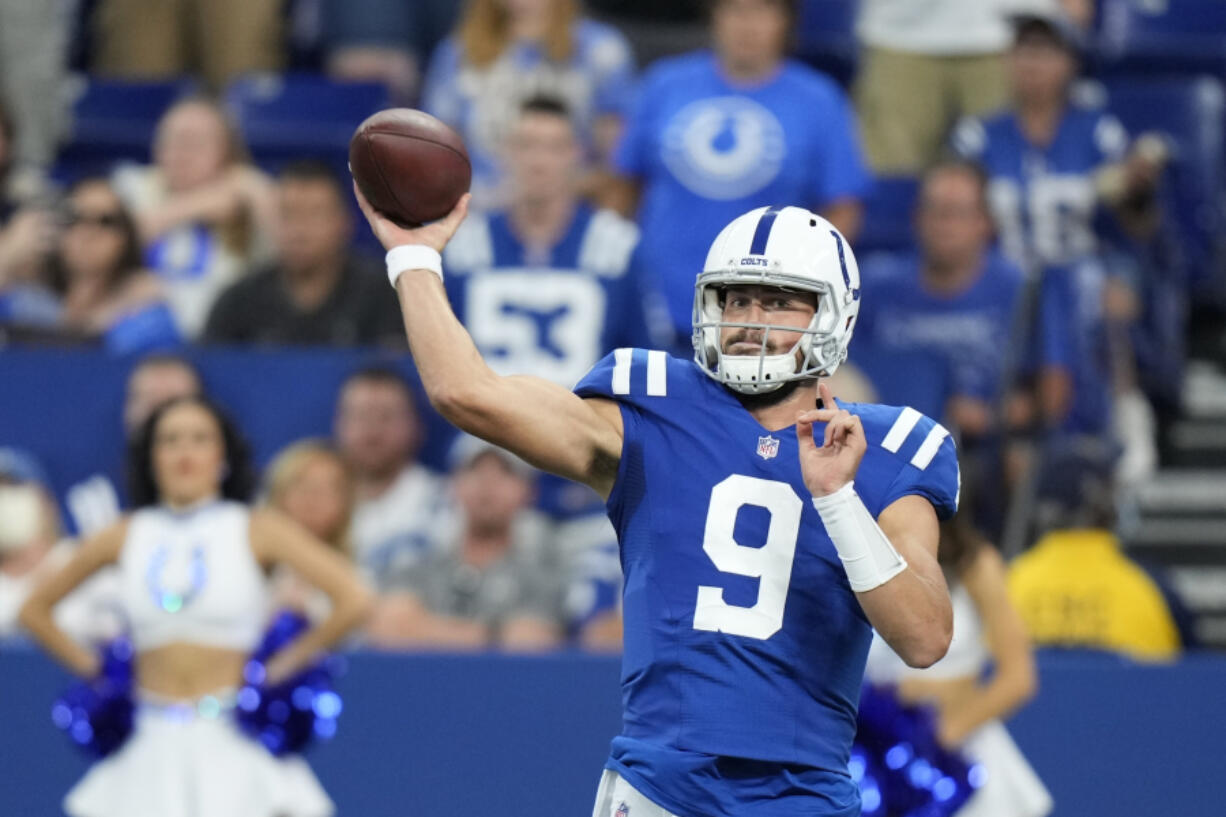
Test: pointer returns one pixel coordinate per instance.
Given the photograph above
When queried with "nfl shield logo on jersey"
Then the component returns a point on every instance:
(768, 447)
(622, 810)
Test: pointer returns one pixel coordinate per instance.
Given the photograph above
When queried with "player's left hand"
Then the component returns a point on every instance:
(833, 464)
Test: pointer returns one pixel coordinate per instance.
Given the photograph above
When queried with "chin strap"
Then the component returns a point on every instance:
(739, 371)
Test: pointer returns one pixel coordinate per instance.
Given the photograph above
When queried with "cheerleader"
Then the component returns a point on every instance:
(193, 561)
(987, 631)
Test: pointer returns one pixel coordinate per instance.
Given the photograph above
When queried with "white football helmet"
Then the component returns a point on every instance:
(789, 248)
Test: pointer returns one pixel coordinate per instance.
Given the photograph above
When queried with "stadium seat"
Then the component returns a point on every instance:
(1167, 36)
(301, 115)
(887, 223)
(1191, 111)
(826, 39)
(113, 120)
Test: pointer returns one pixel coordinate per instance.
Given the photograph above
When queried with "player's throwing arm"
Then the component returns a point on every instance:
(540, 421)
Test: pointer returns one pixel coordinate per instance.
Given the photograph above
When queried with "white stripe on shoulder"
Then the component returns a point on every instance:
(657, 371)
(929, 447)
(901, 428)
(621, 370)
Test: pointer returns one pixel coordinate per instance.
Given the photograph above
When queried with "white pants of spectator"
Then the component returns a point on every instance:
(33, 59)
(617, 798)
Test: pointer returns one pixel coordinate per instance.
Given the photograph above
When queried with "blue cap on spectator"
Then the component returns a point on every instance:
(1052, 19)
(19, 465)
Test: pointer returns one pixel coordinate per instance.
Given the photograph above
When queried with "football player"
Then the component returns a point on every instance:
(765, 528)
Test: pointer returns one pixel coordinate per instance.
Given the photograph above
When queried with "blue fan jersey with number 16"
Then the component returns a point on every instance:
(744, 644)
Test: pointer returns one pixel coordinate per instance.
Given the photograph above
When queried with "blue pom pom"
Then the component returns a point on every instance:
(286, 717)
(97, 715)
(906, 772)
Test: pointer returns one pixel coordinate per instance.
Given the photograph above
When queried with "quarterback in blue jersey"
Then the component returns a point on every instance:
(763, 534)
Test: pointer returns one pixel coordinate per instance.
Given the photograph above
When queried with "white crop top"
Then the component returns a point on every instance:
(967, 656)
(191, 577)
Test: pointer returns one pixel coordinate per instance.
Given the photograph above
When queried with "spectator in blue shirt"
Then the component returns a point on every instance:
(547, 285)
(107, 295)
(955, 299)
(1081, 210)
(502, 54)
(717, 133)
(1046, 154)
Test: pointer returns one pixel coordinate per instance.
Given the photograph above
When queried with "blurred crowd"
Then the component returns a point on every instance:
(1037, 302)
(464, 560)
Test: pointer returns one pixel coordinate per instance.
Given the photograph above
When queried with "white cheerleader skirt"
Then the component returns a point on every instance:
(191, 760)
(1012, 788)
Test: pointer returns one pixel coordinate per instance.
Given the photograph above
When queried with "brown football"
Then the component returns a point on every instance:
(409, 165)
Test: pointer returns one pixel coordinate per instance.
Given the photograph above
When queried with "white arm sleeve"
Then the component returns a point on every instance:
(867, 555)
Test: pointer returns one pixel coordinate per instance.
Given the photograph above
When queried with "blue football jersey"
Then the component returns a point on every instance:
(744, 644)
(708, 149)
(1043, 197)
(970, 331)
(549, 314)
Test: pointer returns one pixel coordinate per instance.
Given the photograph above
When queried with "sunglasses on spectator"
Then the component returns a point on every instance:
(107, 221)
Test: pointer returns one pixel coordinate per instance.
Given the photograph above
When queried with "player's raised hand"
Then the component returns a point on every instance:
(828, 467)
(435, 234)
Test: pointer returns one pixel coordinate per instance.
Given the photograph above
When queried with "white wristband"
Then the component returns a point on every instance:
(413, 256)
(867, 555)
